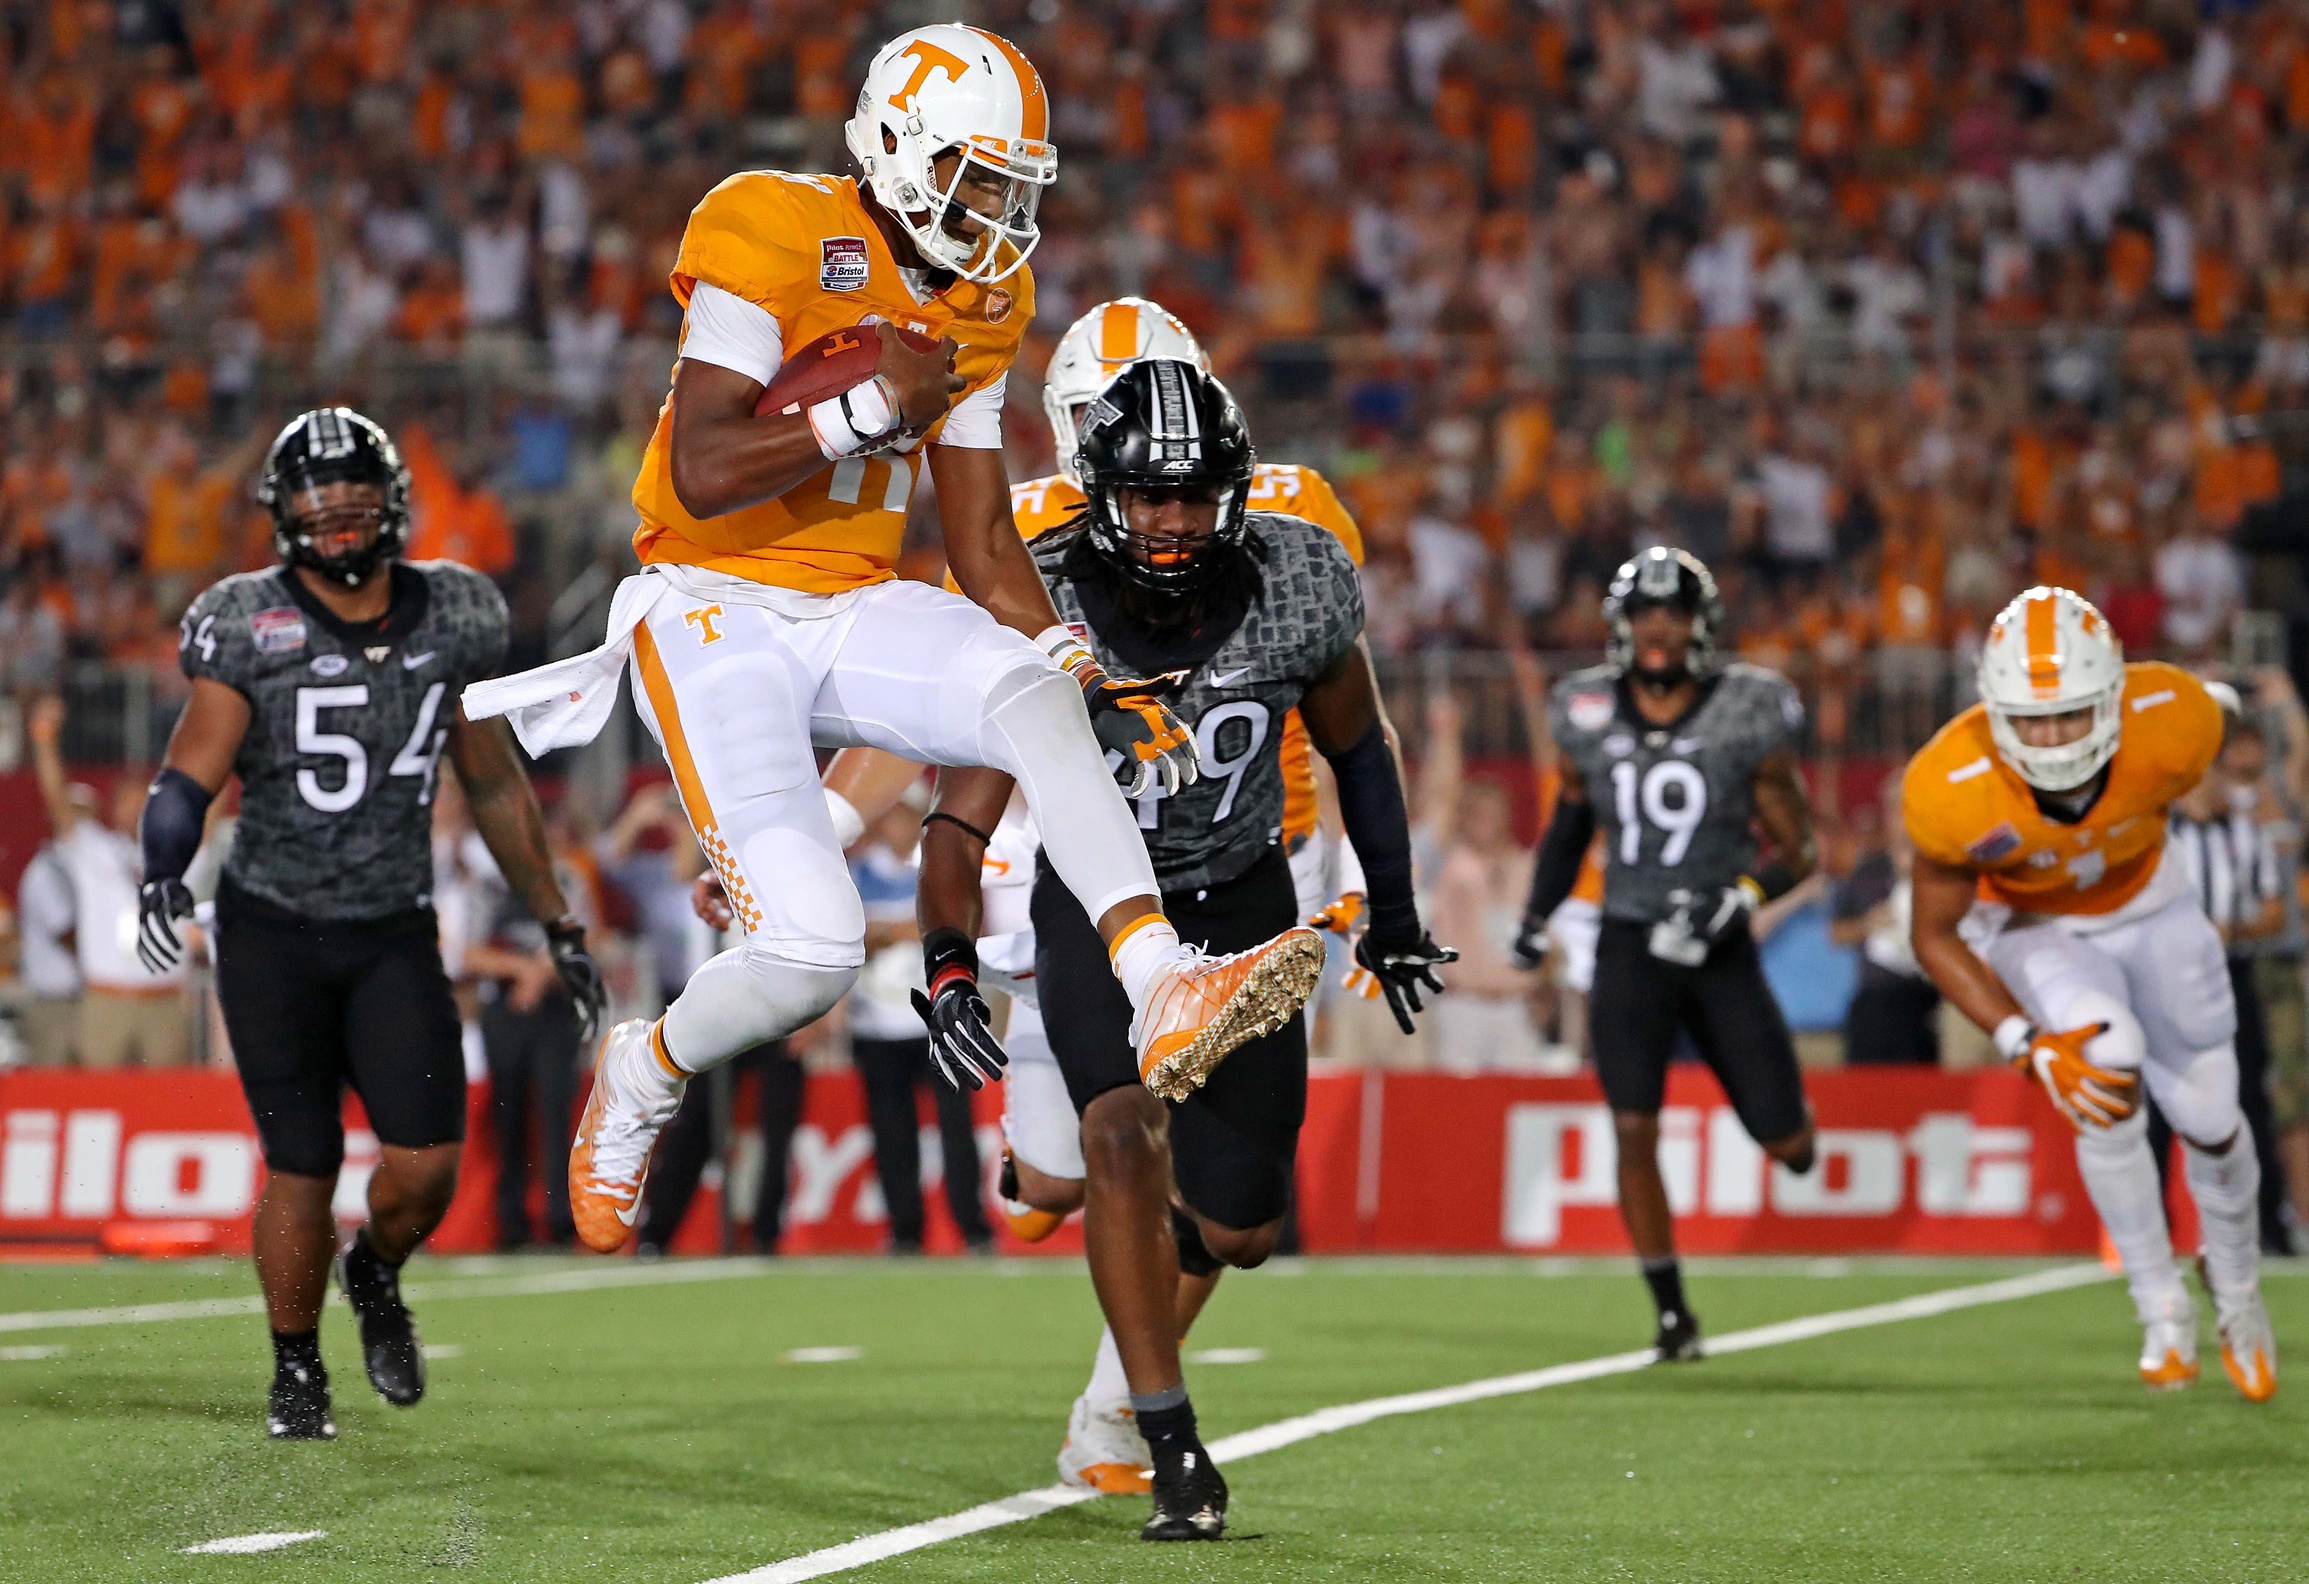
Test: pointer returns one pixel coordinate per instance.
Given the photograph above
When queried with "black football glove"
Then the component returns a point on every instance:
(580, 974)
(962, 1043)
(159, 904)
(1401, 966)
(1531, 943)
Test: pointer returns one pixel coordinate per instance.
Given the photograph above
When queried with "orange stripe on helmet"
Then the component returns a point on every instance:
(2043, 638)
(1034, 104)
(1118, 333)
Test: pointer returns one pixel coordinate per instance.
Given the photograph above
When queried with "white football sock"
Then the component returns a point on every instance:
(743, 998)
(1141, 954)
(2227, 1189)
(2121, 1177)
(1037, 731)
(1108, 1387)
(641, 1075)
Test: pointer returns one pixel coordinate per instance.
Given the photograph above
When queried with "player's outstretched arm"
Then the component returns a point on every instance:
(948, 907)
(200, 756)
(724, 458)
(504, 809)
(1346, 724)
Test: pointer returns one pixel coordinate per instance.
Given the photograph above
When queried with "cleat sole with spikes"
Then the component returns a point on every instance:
(1272, 991)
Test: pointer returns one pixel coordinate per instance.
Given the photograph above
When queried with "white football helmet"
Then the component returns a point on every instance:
(956, 87)
(1097, 347)
(2050, 652)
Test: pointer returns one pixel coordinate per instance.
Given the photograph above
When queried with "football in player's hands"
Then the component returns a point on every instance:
(819, 370)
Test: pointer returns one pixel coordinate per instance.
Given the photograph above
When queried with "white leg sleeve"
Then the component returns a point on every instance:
(2121, 1177)
(1036, 730)
(2227, 1188)
(1109, 1388)
(743, 998)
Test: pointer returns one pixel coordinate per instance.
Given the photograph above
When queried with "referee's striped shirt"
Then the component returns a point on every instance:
(2231, 862)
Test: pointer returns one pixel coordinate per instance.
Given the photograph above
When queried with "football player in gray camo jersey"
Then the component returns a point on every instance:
(1241, 616)
(329, 685)
(1677, 759)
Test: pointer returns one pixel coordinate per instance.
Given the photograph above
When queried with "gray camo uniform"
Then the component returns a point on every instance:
(345, 732)
(1235, 701)
(1673, 802)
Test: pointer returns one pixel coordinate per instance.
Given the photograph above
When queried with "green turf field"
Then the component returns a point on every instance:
(653, 1432)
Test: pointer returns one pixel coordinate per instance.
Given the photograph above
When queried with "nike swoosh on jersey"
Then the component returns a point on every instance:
(1222, 678)
(410, 662)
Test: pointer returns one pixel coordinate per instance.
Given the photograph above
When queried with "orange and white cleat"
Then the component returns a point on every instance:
(2249, 1350)
(2169, 1348)
(1200, 1009)
(609, 1163)
(1103, 1451)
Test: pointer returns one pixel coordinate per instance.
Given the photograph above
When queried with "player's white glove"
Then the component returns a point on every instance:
(159, 904)
(1697, 920)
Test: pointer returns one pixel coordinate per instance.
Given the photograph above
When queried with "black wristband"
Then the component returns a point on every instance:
(946, 951)
(565, 929)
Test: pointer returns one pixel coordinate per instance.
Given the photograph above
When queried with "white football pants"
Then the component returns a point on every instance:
(2161, 984)
(739, 689)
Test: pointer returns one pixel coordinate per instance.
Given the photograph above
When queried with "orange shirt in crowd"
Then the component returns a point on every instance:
(447, 521)
(552, 110)
(185, 517)
(1899, 96)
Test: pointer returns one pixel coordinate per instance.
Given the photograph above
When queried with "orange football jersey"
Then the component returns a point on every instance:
(1965, 807)
(1039, 505)
(804, 248)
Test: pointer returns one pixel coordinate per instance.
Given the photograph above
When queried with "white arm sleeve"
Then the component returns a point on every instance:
(727, 331)
(976, 421)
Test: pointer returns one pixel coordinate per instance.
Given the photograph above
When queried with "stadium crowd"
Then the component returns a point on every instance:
(1885, 311)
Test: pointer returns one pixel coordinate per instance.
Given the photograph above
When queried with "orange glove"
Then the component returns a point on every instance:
(2087, 1095)
(1343, 917)
(1130, 718)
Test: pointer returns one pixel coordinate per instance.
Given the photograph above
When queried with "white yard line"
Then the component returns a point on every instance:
(583, 1279)
(243, 1545)
(872, 1548)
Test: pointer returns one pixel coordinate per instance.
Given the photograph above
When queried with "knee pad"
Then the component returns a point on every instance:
(2200, 1099)
(2123, 1046)
(802, 992)
(1031, 711)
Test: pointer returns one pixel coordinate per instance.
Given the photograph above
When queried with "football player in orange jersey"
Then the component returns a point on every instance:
(767, 618)
(2044, 910)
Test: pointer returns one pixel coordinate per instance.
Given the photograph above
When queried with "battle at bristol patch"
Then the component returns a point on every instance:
(1589, 711)
(842, 263)
(1998, 843)
(278, 630)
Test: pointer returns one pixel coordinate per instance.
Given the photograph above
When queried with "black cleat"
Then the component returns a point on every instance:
(389, 1346)
(1679, 1338)
(299, 1409)
(1190, 1499)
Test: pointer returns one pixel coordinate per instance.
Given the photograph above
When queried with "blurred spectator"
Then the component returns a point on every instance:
(529, 1034)
(125, 1008)
(892, 1050)
(46, 964)
(649, 858)
(1893, 1013)
(1480, 889)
